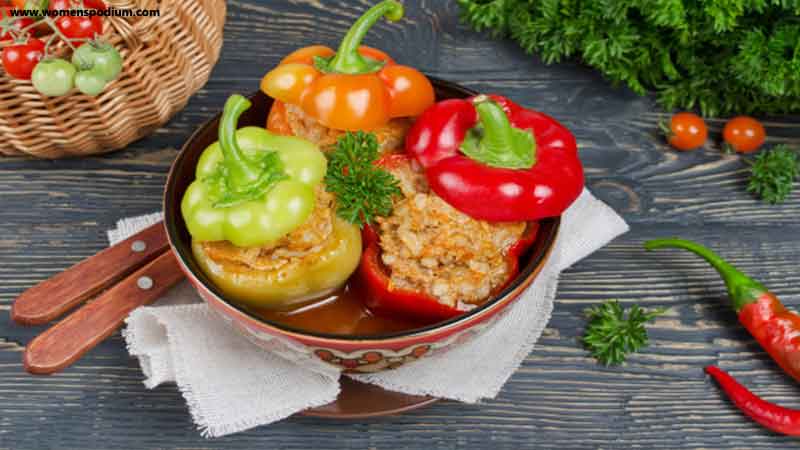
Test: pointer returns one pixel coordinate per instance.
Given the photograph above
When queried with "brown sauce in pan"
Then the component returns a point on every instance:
(342, 312)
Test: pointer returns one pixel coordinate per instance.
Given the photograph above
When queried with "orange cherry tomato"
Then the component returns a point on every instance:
(687, 131)
(348, 102)
(410, 90)
(743, 134)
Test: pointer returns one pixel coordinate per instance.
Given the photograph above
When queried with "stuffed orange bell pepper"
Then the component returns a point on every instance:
(355, 88)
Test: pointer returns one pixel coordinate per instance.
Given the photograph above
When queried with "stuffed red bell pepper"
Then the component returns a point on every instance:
(428, 261)
(496, 161)
(483, 170)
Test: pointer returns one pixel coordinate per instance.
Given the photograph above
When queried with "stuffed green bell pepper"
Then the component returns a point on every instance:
(263, 227)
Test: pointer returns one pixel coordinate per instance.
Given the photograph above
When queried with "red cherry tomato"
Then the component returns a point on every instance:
(687, 131)
(60, 5)
(19, 23)
(20, 59)
(80, 27)
(744, 134)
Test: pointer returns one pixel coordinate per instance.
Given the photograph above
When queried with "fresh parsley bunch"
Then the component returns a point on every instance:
(723, 56)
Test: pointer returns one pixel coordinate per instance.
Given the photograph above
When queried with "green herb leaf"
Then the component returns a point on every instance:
(223, 195)
(611, 336)
(363, 190)
(773, 173)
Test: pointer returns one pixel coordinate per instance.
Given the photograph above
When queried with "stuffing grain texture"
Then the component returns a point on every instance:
(430, 246)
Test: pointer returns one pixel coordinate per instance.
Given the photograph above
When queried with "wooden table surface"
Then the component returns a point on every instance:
(55, 213)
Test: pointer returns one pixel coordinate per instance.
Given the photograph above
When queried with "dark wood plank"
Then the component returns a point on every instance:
(53, 214)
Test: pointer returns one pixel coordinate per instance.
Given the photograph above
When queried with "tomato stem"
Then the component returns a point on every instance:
(665, 129)
(50, 23)
(26, 29)
(47, 45)
(728, 149)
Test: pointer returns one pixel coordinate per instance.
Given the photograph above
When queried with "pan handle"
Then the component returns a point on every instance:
(64, 343)
(53, 297)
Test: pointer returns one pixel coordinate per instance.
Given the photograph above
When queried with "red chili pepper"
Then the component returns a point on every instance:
(418, 306)
(775, 417)
(774, 327)
(494, 160)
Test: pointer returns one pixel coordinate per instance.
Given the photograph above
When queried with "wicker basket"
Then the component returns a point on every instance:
(166, 60)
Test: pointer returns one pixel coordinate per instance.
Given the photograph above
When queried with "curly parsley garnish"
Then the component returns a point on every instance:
(773, 173)
(363, 190)
(610, 336)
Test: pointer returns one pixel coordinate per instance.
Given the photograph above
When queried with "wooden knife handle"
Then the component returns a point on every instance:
(65, 342)
(55, 296)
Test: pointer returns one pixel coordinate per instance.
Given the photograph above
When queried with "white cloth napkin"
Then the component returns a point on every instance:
(231, 385)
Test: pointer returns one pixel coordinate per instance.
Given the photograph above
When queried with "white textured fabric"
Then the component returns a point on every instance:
(232, 385)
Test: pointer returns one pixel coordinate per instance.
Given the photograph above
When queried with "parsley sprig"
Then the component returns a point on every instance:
(363, 190)
(611, 336)
(773, 173)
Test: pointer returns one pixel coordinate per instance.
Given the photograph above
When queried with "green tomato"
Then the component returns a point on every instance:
(89, 82)
(53, 77)
(102, 58)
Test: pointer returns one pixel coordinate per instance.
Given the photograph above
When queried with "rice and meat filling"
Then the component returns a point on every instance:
(301, 246)
(429, 246)
(391, 137)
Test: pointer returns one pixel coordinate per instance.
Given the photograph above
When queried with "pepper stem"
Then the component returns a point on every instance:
(348, 60)
(496, 126)
(496, 142)
(242, 172)
(742, 289)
